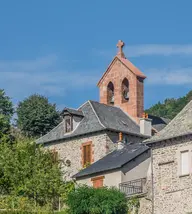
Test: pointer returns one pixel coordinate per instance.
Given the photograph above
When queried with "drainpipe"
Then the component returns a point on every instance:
(152, 182)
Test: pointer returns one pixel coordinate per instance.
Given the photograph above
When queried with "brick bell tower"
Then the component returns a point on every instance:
(122, 85)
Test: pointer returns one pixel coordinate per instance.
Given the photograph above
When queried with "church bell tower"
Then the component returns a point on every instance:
(122, 85)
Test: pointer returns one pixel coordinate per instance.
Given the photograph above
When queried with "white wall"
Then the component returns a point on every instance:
(110, 179)
(138, 168)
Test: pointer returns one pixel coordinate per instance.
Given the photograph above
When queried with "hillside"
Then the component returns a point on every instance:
(170, 107)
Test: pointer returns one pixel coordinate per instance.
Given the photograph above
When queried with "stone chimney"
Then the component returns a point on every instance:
(145, 125)
(120, 144)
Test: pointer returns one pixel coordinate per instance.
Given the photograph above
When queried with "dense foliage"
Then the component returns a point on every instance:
(29, 173)
(170, 107)
(87, 200)
(36, 116)
(6, 112)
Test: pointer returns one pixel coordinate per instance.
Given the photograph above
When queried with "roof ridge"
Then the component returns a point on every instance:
(126, 63)
(96, 114)
(82, 105)
(71, 108)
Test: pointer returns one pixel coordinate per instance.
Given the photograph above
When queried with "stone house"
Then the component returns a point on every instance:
(171, 161)
(126, 165)
(91, 132)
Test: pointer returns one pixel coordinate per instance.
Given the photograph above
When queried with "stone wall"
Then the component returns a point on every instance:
(70, 149)
(172, 192)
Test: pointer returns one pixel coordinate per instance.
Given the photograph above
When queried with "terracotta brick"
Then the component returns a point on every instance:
(116, 74)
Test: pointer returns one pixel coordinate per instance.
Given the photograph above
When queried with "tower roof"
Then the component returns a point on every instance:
(121, 57)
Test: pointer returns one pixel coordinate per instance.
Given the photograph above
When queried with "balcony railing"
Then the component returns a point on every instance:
(133, 187)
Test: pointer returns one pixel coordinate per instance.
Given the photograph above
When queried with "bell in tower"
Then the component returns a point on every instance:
(110, 93)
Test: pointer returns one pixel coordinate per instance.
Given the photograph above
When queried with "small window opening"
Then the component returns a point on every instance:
(110, 93)
(68, 125)
(125, 90)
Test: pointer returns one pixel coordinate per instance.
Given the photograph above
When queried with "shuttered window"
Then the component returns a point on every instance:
(98, 182)
(86, 154)
(54, 154)
(184, 163)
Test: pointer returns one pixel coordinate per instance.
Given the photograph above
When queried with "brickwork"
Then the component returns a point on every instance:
(172, 192)
(116, 74)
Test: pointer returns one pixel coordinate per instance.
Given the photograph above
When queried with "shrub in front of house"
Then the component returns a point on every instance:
(88, 200)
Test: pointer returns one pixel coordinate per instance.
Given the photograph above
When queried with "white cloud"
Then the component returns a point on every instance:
(150, 49)
(48, 76)
(169, 76)
(158, 49)
(21, 78)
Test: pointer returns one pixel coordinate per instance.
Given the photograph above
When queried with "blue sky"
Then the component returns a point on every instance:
(61, 48)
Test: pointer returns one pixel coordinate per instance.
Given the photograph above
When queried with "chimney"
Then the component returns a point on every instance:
(145, 125)
(120, 144)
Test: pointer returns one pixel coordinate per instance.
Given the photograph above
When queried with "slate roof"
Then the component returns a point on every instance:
(73, 111)
(127, 63)
(114, 160)
(158, 123)
(97, 117)
(114, 118)
(179, 126)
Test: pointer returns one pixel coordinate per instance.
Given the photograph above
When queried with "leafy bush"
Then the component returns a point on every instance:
(87, 200)
(29, 172)
(133, 205)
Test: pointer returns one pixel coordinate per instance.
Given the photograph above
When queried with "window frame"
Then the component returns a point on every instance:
(84, 145)
(181, 165)
(98, 182)
(55, 154)
(70, 118)
(182, 150)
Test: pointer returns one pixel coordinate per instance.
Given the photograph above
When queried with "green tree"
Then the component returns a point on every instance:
(170, 107)
(6, 112)
(36, 116)
(29, 171)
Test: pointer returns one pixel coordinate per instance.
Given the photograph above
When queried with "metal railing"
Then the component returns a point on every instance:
(133, 187)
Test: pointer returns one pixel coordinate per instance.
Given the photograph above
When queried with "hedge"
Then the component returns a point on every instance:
(88, 200)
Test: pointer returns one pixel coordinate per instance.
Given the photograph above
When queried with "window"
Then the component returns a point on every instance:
(87, 154)
(98, 182)
(110, 93)
(54, 154)
(125, 90)
(184, 159)
(68, 124)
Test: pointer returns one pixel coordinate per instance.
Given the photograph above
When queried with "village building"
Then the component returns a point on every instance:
(108, 135)
(114, 143)
(171, 161)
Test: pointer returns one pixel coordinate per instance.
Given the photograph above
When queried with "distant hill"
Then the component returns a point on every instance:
(170, 107)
